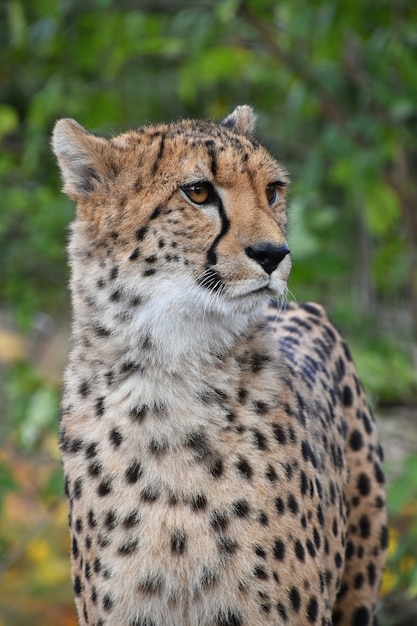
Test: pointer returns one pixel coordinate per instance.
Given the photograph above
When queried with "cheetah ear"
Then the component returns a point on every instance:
(242, 121)
(81, 157)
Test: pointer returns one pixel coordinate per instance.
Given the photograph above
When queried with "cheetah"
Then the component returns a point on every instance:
(221, 461)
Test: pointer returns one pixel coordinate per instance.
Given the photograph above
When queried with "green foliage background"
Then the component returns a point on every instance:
(334, 83)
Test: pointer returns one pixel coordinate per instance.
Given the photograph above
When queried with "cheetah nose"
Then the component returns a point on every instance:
(268, 255)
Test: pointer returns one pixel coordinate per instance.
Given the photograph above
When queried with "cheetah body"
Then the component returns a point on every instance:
(222, 465)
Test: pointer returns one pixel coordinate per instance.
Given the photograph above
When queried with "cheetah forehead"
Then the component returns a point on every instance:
(89, 163)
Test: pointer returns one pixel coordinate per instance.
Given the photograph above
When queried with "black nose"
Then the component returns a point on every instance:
(268, 255)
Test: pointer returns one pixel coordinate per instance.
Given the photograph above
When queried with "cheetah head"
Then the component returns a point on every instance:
(192, 214)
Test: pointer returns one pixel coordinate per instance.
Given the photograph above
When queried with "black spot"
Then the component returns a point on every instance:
(95, 468)
(320, 516)
(178, 542)
(295, 599)
(211, 149)
(226, 545)
(77, 585)
(379, 474)
(263, 518)
(78, 488)
(299, 550)
(279, 550)
(115, 295)
(260, 572)
(133, 472)
(261, 441)
(216, 467)
(130, 366)
(97, 565)
(384, 537)
(282, 611)
(219, 521)
(141, 233)
(364, 526)
(199, 502)
(134, 255)
(371, 571)
(74, 548)
(356, 440)
(337, 617)
(110, 520)
(76, 445)
(258, 361)
(131, 520)
(310, 308)
(99, 408)
(128, 547)
(116, 437)
(241, 508)
(156, 212)
(208, 577)
(229, 617)
(361, 617)
(304, 483)
(312, 610)
(308, 453)
(244, 468)
(149, 494)
(92, 521)
(261, 408)
(338, 560)
(197, 441)
(242, 395)
(101, 331)
(364, 484)
(279, 433)
(350, 550)
(271, 474)
(292, 504)
(149, 272)
(84, 389)
(104, 487)
(152, 584)
(138, 413)
(157, 447)
(114, 273)
(358, 580)
(136, 301)
(260, 552)
(310, 548)
(347, 396)
(107, 603)
(280, 505)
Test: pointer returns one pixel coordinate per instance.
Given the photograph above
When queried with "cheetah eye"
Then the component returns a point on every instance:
(272, 192)
(200, 193)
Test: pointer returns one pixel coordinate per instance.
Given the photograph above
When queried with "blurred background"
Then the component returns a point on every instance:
(334, 83)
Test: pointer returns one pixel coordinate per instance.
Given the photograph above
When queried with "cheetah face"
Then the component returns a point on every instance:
(192, 214)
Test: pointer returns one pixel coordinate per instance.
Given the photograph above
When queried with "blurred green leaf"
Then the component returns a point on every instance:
(8, 120)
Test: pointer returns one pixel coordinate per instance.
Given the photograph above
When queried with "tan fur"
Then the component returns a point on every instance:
(221, 462)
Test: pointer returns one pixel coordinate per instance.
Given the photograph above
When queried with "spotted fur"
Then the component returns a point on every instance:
(221, 460)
